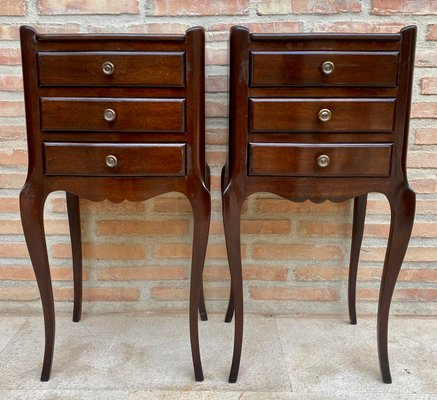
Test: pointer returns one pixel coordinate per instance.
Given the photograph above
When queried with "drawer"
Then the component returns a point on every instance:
(321, 115)
(112, 114)
(323, 68)
(161, 159)
(111, 68)
(294, 159)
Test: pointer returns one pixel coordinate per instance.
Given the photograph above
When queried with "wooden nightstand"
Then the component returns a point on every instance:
(320, 117)
(113, 117)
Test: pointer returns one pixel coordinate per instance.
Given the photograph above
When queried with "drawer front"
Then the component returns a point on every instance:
(112, 114)
(114, 159)
(111, 69)
(324, 68)
(284, 159)
(321, 115)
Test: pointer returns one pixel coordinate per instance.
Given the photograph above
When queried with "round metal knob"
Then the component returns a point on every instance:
(109, 115)
(323, 161)
(111, 161)
(108, 68)
(324, 115)
(328, 67)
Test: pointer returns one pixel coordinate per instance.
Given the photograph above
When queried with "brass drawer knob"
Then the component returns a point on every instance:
(324, 115)
(323, 161)
(108, 68)
(111, 161)
(328, 67)
(109, 115)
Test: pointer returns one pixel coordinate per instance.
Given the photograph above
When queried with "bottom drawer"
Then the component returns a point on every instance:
(295, 159)
(89, 159)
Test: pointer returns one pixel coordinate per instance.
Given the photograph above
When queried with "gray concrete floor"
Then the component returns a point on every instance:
(136, 357)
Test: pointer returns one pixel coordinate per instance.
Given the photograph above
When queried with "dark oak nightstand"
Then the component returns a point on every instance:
(320, 117)
(113, 117)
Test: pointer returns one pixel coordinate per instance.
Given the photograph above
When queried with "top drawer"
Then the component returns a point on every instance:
(323, 68)
(101, 68)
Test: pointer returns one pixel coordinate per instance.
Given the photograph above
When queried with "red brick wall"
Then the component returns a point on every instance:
(137, 255)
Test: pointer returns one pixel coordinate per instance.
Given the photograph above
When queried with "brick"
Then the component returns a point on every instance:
(328, 273)
(424, 110)
(177, 250)
(296, 251)
(216, 136)
(9, 204)
(214, 109)
(202, 8)
(216, 83)
(424, 185)
(325, 229)
(9, 32)
(11, 109)
(102, 251)
(428, 85)
(215, 158)
(139, 227)
(274, 27)
(13, 250)
(19, 293)
(421, 160)
(426, 136)
(358, 27)
(12, 181)
(426, 58)
(294, 294)
(414, 254)
(250, 273)
(215, 56)
(423, 295)
(12, 7)
(99, 294)
(308, 6)
(12, 133)
(10, 56)
(159, 28)
(68, 7)
(390, 7)
(255, 227)
(173, 205)
(52, 227)
(11, 83)
(426, 207)
(25, 273)
(13, 157)
(173, 294)
(432, 32)
(106, 207)
(146, 273)
(282, 206)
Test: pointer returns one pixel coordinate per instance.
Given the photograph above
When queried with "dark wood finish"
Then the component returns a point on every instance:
(134, 115)
(294, 68)
(130, 68)
(292, 159)
(158, 138)
(368, 132)
(132, 159)
(301, 115)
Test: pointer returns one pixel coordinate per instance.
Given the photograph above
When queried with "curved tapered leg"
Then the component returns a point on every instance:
(402, 206)
(32, 217)
(232, 204)
(202, 308)
(230, 310)
(201, 204)
(76, 247)
(360, 204)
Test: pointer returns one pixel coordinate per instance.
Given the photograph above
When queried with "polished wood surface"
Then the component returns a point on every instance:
(276, 139)
(155, 141)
